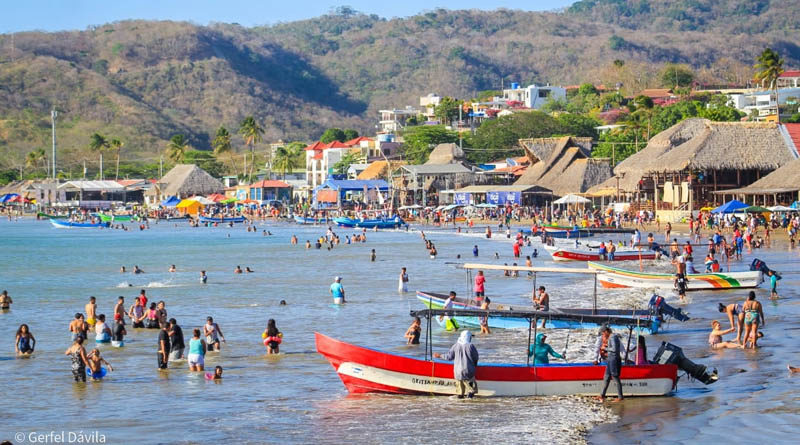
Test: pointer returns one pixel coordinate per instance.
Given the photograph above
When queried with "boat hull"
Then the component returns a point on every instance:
(567, 233)
(612, 277)
(69, 225)
(236, 219)
(43, 215)
(391, 223)
(437, 301)
(117, 218)
(364, 370)
(566, 254)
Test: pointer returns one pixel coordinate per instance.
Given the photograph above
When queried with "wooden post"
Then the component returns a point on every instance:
(594, 306)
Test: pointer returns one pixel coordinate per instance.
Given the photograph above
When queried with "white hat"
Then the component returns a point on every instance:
(337, 278)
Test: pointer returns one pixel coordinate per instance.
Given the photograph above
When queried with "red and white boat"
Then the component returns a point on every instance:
(366, 370)
(592, 254)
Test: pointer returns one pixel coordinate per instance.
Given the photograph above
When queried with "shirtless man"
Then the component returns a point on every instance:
(78, 327)
(120, 308)
(91, 308)
(5, 301)
(542, 302)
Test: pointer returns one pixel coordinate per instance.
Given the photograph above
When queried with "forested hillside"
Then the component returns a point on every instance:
(144, 81)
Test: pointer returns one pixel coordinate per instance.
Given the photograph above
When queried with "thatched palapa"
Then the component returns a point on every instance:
(563, 165)
(186, 180)
(783, 180)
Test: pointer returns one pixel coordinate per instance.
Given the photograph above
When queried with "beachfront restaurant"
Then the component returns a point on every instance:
(779, 188)
(93, 194)
(695, 163)
(269, 190)
(502, 195)
(346, 193)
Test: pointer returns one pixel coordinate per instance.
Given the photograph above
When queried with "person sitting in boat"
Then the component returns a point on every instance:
(541, 351)
(465, 362)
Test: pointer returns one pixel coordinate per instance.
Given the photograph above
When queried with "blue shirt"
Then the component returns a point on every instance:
(336, 290)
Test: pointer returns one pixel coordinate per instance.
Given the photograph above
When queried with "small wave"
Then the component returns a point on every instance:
(160, 284)
(124, 284)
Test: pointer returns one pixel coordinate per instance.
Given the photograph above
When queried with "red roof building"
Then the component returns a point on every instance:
(356, 142)
(789, 79)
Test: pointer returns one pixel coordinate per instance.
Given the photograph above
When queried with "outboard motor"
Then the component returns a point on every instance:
(671, 354)
(658, 306)
(762, 267)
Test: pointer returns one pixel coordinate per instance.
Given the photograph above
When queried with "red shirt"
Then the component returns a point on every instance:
(479, 280)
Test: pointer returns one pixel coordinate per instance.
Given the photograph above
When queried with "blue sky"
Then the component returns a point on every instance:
(56, 15)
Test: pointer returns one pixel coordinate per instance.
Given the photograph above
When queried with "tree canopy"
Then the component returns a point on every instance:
(421, 140)
(333, 134)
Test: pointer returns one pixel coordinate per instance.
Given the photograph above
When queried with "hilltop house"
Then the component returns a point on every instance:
(532, 96)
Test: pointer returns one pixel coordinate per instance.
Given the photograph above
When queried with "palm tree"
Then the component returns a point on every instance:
(286, 158)
(251, 132)
(177, 147)
(770, 67)
(35, 157)
(222, 143)
(117, 145)
(98, 143)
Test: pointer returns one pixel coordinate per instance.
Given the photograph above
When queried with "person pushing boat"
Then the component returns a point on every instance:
(465, 362)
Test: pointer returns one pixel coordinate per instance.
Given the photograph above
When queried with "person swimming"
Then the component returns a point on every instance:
(217, 375)
(136, 270)
(248, 270)
(172, 268)
(238, 270)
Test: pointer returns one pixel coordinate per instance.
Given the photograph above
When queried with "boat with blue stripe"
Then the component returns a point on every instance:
(80, 225)
(381, 223)
(647, 321)
(307, 220)
(223, 220)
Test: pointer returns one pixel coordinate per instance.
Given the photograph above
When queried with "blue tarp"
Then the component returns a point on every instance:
(501, 198)
(795, 205)
(730, 207)
(172, 201)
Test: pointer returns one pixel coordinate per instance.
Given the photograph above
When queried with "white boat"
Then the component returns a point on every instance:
(613, 277)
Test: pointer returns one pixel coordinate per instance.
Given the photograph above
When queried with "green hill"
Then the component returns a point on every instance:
(144, 81)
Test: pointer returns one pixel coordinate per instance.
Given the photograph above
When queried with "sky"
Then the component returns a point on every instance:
(58, 15)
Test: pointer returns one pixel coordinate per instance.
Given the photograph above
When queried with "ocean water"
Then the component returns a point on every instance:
(295, 397)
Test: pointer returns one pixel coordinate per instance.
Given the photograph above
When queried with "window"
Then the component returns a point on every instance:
(544, 93)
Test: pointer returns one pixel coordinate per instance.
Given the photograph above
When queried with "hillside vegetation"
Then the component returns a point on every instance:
(144, 81)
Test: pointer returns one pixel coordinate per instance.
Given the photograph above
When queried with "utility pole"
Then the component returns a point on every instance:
(53, 115)
(161, 167)
(84, 169)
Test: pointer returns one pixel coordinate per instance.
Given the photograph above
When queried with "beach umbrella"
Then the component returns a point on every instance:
(216, 197)
(731, 207)
(8, 197)
(757, 209)
(780, 209)
(571, 199)
(228, 201)
(202, 200)
(795, 205)
(484, 205)
(706, 209)
(172, 201)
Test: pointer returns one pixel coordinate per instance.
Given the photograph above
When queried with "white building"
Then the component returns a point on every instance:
(394, 120)
(761, 101)
(428, 104)
(532, 96)
(320, 159)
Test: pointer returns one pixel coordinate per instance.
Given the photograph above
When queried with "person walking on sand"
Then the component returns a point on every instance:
(613, 362)
(337, 291)
(402, 283)
(465, 362)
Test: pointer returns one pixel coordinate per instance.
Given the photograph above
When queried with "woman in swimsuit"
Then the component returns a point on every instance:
(753, 313)
(715, 337)
(152, 318)
(78, 327)
(79, 361)
(272, 337)
(734, 310)
(413, 331)
(24, 343)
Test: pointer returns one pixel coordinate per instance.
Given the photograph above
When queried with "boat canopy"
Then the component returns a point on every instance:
(528, 269)
(534, 315)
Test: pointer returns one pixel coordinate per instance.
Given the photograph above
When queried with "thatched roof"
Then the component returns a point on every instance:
(700, 144)
(783, 180)
(563, 165)
(446, 154)
(377, 169)
(188, 180)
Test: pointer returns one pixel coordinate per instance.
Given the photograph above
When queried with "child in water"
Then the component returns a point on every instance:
(272, 337)
(413, 332)
(217, 375)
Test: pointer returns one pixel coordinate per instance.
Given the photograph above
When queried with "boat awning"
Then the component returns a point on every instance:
(534, 315)
(527, 268)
